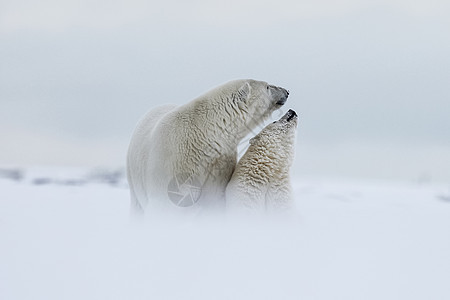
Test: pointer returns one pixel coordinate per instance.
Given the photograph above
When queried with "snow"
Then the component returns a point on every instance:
(70, 237)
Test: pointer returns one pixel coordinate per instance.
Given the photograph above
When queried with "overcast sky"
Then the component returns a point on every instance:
(371, 82)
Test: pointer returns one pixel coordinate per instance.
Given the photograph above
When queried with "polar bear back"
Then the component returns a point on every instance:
(139, 150)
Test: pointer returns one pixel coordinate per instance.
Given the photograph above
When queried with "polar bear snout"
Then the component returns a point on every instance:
(290, 118)
(291, 114)
(279, 94)
(283, 97)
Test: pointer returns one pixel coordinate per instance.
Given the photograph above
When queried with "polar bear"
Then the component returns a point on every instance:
(182, 157)
(261, 181)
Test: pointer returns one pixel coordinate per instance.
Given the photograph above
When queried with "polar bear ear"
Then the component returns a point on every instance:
(244, 91)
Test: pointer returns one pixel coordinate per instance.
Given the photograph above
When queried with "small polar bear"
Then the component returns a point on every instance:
(261, 181)
(181, 158)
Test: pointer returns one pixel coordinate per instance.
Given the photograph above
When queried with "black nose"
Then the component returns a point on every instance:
(291, 114)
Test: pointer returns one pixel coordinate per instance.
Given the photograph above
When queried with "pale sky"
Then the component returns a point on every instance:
(371, 82)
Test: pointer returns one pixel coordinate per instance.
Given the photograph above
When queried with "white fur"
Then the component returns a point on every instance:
(199, 139)
(261, 180)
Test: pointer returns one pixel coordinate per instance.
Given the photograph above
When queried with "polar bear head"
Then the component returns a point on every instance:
(277, 139)
(256, 101)
(241, 105)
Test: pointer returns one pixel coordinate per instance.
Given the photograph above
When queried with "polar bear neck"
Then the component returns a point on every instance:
(219, 122)
(266, 164)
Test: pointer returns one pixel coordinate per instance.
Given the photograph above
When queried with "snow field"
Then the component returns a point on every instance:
(346, 240)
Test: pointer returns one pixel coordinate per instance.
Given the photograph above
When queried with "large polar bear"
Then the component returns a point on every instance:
(261, 181)
(181, 158)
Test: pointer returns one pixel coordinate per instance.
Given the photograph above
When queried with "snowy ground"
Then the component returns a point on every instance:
(65, 234)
